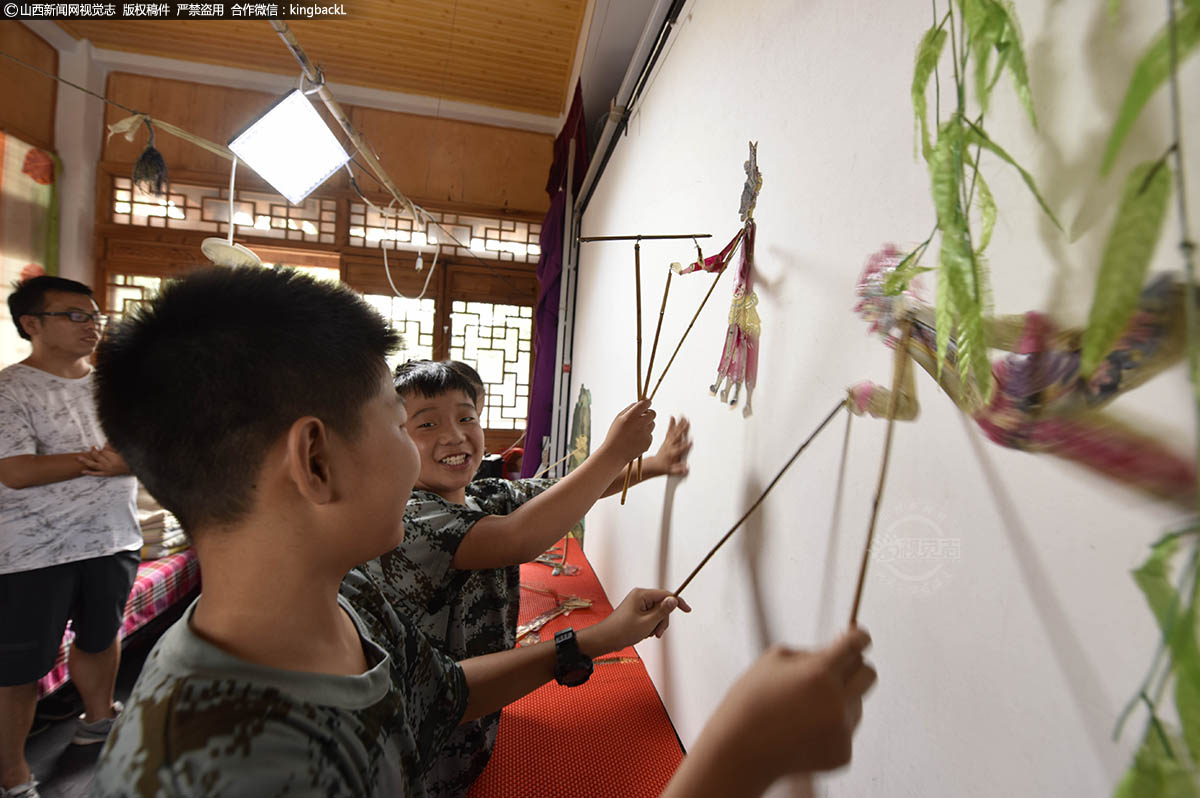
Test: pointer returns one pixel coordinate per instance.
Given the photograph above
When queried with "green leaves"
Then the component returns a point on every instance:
(961, 286)
(987, 212)
(1156, 773)
(929, 52)
(1127, 254)
(1149, 74)
(1154, 579)
(976, 135)
(992, 27)
(1177, 618)
(908, 268)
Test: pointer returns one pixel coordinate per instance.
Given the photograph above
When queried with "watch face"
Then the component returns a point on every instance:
(574, 675)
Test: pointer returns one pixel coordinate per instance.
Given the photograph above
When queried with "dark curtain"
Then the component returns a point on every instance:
(549, 271)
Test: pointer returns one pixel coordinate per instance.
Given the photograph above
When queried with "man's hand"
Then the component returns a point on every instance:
(797, 710)
(103, 462)
(643, 613)
(671, 457)
(791, 712)
(631, 433)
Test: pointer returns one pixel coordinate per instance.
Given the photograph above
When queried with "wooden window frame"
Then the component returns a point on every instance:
(166, 252)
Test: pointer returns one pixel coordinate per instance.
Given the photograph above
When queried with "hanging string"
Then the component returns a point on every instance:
(232, 175)
(429, 219)
(28, 65)
(840, 405)
(898, 370)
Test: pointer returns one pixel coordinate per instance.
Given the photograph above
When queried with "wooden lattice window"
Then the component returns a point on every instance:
(497, 340)
(415, 319)
(205, 208)
(511, 240)
(127, 291)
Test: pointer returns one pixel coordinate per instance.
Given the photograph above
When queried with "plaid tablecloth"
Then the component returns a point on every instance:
(159, 585)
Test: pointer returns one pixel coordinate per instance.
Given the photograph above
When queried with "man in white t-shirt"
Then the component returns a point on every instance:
(69, 537)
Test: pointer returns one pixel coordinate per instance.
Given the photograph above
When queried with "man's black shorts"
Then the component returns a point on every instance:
(35, 606)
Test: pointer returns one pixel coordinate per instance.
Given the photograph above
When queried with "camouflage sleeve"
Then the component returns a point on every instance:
(437, 695)
(434, 685)
(503, 496)
(433, 530)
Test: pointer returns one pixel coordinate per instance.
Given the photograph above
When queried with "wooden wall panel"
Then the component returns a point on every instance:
(365, 273)
(460, 162)
(29, 98)
(481, 284)
(214, 112)
(442, 160)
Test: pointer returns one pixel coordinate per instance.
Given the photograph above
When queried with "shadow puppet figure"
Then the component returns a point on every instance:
(1041, 402)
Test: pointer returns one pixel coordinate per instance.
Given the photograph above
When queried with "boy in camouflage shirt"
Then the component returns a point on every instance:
(255, 405)
(456, 574)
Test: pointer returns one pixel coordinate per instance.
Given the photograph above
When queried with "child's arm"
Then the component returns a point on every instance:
(670, 459)
(791, 712)
(496, 680)
(495, 541)
(29, 470)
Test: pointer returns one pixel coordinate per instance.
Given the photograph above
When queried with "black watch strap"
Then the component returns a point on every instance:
(573, 667)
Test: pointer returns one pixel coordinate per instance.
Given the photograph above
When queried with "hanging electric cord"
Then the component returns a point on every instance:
(387, 269)
(391, 211)
(429, 218)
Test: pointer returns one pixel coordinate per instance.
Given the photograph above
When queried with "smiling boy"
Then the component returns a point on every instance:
(457, 574)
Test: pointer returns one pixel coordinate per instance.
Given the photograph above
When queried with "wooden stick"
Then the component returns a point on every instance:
(658, 329)
(313, 75)
(898, 370)
(589, 239)
(694, 317)
(841, 404)
(628, 474)
(662, 309)
(557, 462)
(637, 279)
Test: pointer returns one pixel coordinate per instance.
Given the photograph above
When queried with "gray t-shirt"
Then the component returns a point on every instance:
(201, 722)
(464, 613)
(76, 519)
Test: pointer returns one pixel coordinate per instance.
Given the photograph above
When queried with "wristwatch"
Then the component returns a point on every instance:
(573, 667)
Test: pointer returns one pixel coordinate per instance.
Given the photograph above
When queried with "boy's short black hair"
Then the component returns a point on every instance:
(201, 381)
(30, 296)
(430, 378)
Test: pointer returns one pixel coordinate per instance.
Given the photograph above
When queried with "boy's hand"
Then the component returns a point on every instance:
(104, 462)
(671, 457)
(631, 433)
(643, 613)
(795, 711)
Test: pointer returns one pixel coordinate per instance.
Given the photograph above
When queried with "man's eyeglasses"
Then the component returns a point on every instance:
(77, 316)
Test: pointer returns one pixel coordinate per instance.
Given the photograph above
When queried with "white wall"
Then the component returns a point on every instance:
(1003, 674)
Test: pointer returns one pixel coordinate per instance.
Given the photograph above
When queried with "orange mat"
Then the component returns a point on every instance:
(609, 737)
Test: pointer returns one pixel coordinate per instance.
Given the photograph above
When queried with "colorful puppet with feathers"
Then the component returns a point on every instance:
(1041, 402)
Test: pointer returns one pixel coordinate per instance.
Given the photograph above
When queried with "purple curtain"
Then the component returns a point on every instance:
(549, 271)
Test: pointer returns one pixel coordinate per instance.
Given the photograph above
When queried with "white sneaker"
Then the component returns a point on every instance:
(92, 733)
(26, 790)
